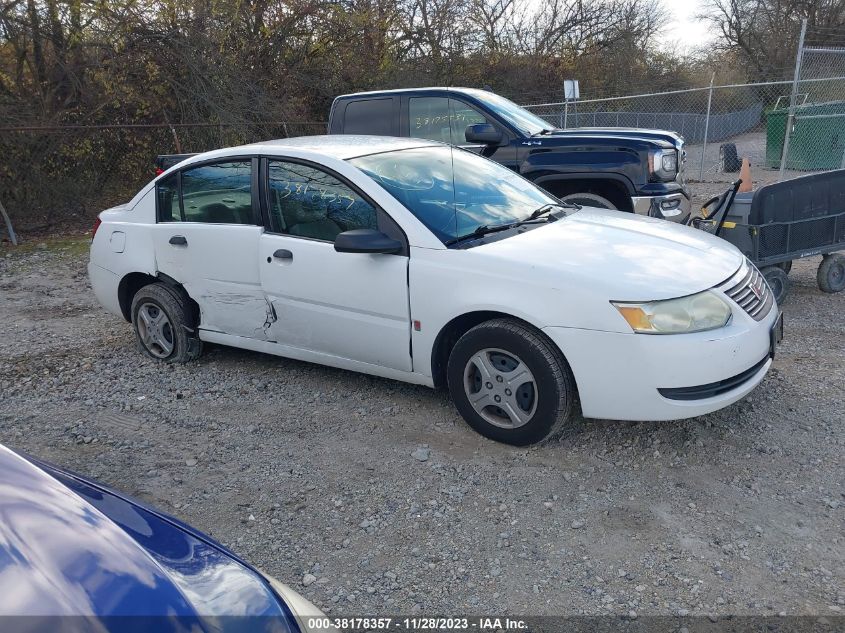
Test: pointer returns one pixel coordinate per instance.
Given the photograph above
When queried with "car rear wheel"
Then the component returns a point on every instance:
(831, 273)
(163, 326)
(590, 200)
(510, 383)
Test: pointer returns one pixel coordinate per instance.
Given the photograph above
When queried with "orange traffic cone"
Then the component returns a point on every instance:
(745, 175)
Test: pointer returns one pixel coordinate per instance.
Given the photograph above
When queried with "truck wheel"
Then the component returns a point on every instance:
(589, 200)
(510, 384)
(831, 273)
(778, 281)
(729, 158)
(163, 326)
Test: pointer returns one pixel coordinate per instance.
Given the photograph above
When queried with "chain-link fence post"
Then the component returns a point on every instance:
(706, 127)
(793, 99)
(12, 237)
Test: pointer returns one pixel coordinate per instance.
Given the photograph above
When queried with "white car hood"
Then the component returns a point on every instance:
(623, 256)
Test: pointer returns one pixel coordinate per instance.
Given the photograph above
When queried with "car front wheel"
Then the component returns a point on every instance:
(510, 383)
(162, 323)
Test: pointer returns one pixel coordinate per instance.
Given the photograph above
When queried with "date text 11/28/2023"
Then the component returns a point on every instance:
(419, 623)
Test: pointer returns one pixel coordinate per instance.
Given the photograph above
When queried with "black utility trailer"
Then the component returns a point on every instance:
(784, 221)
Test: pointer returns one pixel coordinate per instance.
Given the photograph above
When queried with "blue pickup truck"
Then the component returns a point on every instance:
(634, 170)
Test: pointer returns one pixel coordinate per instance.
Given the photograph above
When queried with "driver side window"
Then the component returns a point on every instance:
(462, 115)
(308, 202)
(429, 118)
(441, 119)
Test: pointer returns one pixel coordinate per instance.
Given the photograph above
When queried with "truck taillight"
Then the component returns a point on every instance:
(97, 224)
(159, 171)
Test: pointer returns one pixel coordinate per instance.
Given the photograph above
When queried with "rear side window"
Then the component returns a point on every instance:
(167, 190)
(220, 193)
(370, 116)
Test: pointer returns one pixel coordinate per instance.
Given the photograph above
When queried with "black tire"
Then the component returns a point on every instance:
(552, 395)
(729, 158)
(179, 330)
(831, 273)
(787, 266)
(778, 281)
(590, 200)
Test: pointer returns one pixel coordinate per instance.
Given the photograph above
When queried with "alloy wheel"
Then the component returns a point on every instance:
(155, 330)
(501, 388)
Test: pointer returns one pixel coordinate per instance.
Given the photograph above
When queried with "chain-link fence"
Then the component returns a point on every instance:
(722, 124)
(51, 175)
(810, 125)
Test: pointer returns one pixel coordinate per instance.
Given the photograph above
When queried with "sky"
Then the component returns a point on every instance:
(684, 29)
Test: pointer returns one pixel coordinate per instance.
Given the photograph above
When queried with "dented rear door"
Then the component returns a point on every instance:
(218, 267)
(206, 238)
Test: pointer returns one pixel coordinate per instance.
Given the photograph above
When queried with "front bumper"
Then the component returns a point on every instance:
(674, 207)
(620, 376)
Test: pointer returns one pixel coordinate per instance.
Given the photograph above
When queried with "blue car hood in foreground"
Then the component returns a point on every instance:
(69, 547)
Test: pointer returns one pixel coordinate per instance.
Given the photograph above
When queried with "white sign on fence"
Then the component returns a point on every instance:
(571, 90)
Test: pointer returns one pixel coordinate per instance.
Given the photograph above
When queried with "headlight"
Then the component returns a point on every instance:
(308, 616)
(663, 163)
(696, 313)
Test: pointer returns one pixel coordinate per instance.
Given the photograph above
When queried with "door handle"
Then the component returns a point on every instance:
(178, 240)
(283, 253)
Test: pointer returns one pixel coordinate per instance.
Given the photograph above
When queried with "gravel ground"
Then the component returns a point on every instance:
(381, 500)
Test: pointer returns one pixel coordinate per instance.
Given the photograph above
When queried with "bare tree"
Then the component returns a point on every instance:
(764, 33)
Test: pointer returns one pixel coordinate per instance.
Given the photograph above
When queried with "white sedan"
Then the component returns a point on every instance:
(421, 262)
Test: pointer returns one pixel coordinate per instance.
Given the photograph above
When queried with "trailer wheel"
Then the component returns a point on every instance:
(831, 273)
(787, 266)
(778, 281)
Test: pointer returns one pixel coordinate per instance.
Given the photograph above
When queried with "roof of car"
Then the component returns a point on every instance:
(424, 89)
(341, 146)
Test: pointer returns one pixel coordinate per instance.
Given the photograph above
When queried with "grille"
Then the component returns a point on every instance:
(748, 288)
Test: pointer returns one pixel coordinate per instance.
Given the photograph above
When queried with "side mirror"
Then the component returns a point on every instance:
(366, 241)
(483, 133)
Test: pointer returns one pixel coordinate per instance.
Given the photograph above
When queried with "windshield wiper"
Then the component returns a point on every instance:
(481, 231)
(548, 208)
(544, 132)
(486, 229)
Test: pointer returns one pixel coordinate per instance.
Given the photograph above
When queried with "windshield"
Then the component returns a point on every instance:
(453, 191)
(526, 122)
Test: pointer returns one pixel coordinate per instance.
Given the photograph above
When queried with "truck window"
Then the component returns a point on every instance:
(441, 119)
(370, 116)
(461, 115)
(428, 118)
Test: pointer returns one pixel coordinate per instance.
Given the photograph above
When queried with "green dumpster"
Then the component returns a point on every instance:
(818, 137)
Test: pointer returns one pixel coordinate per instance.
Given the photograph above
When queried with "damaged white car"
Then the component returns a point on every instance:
(425, 263)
